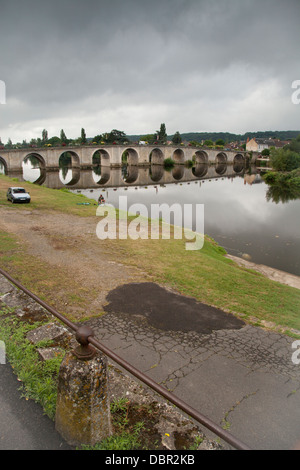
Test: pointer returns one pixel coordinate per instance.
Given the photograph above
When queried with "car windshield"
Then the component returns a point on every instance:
(19, 190)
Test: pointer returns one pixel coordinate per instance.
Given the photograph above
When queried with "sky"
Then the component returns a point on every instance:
(195, 65)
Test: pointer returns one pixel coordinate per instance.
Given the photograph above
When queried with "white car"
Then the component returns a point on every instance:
(17, 195)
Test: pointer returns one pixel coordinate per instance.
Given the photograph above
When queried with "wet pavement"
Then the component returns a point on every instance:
(240, 376)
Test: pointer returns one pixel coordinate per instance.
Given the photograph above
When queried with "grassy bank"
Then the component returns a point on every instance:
(210, 277)
(205, 274)
(45, 199)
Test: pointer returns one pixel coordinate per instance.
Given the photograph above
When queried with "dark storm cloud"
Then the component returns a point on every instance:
(132, 63)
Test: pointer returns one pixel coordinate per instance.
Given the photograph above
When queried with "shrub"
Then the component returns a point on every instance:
(285, 160)
(169, 163)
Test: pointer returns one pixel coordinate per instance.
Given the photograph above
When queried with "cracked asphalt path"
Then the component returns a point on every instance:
(240, 376)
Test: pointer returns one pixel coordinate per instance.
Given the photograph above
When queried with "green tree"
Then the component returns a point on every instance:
(54, 141)
(98, 138)
(284, 160)
(150, 138)
(208, 143)
(9, 144)
(162, 134)
(33, 142)
(44, 136)
(294, 145)
(63, 137)
(115, 136)
(83, 136)
(220, 142)
(177, 138)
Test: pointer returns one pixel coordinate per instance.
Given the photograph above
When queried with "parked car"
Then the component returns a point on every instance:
(17, 195)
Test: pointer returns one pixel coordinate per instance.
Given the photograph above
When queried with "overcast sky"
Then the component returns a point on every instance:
(196, 65)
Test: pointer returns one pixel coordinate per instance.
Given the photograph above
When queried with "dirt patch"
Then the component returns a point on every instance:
(69, 244)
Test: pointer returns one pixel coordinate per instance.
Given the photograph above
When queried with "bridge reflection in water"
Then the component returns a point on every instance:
(97, 176)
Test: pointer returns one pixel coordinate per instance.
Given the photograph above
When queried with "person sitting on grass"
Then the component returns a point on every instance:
(101, 199)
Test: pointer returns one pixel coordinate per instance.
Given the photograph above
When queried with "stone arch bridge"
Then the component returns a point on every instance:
(113, 155)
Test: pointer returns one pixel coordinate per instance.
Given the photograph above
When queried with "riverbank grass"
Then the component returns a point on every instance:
(45, 199)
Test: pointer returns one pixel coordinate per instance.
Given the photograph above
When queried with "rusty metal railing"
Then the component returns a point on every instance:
(85, 337)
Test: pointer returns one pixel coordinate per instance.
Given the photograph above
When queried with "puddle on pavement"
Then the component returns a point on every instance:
(168, 311)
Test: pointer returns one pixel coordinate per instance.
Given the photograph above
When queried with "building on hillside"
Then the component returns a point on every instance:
(258, 145)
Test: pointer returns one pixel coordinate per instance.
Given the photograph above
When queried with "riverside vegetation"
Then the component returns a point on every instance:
(284, 181)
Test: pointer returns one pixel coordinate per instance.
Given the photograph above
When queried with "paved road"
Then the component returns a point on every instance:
(240, 376)
(23, 424)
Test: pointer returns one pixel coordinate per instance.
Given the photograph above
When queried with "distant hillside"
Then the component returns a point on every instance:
(228, 136)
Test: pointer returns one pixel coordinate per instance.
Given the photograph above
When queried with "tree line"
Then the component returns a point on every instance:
(160, 136)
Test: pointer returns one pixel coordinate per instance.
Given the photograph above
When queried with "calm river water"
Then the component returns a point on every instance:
(237, 213)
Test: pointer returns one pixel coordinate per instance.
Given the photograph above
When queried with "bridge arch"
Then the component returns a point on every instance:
(156, 172)
(178, 172)
(178, 156)
(101, 174)
(221, 168)
(69, 165)
(37, 157)
(200, 169)
(69, 157)
(31, 162)
(156, 157)
(200, 157)
(130, 173)
(130, 156)
(101, 156)
(238, 163)
(3, 166)
(101, 166)
(238, 158)
(221, 157)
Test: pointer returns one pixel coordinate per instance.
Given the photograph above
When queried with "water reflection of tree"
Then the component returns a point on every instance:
(281, 193)
(283, 187)
(34, 161)
(65, 163)
(97, 170)
(65, 160)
